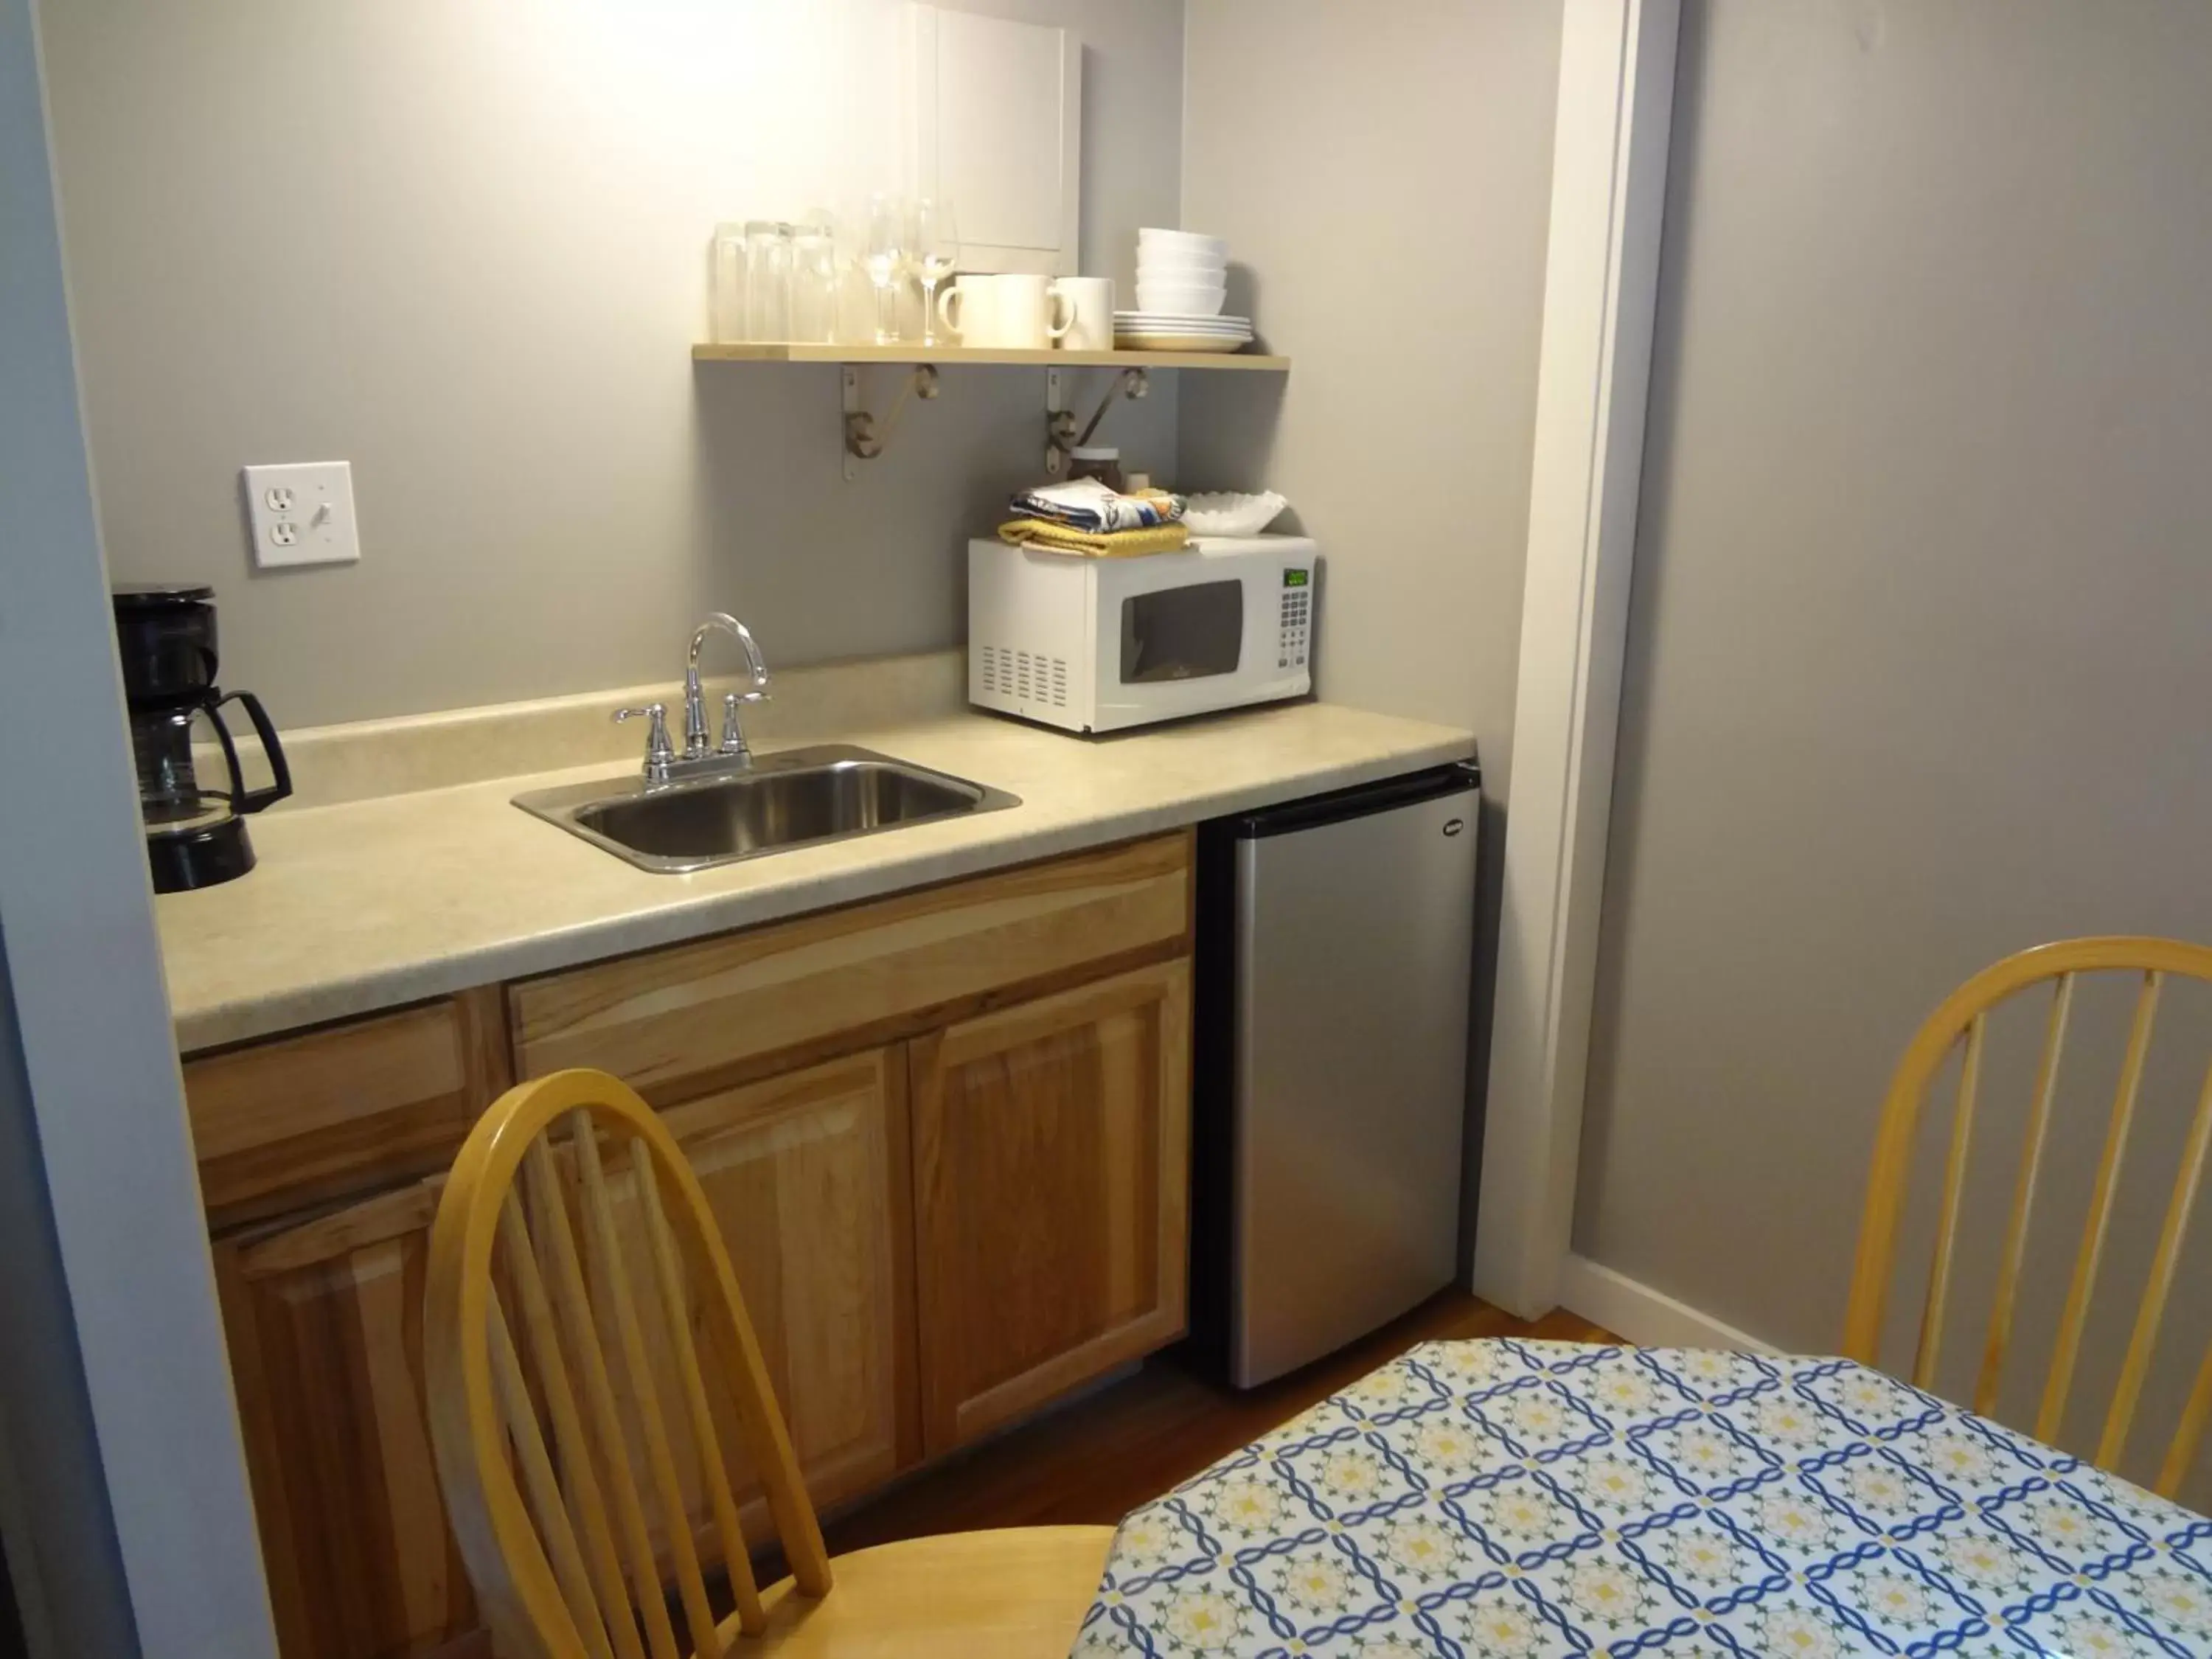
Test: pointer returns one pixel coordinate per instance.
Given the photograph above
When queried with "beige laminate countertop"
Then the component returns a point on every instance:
(372, 904)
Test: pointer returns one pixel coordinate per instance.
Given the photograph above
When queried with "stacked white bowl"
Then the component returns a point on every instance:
(1181, 273)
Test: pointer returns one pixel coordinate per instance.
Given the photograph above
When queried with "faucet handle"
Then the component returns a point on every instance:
(734, 736)
(659, 751)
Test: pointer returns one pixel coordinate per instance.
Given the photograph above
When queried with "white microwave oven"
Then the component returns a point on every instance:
(1097, 644)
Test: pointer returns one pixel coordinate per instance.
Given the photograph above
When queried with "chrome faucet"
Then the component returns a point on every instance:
(662, 763)
(732, 746)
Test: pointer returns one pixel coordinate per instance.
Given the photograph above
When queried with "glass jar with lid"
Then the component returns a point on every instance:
(1099, 461)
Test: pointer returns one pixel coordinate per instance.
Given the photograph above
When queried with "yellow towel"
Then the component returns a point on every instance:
(1112, 544)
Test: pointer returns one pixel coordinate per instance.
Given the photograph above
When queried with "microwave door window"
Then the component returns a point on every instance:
(1182, 632)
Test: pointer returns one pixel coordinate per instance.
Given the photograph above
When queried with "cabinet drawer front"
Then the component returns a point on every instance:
(344, 1109)
(662, 1020)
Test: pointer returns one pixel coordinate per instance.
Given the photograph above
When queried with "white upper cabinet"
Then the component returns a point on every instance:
(998, 115)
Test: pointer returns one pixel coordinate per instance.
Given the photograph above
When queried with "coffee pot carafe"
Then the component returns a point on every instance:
(195, 834)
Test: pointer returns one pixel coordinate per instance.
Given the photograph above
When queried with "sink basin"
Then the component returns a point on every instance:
(800, 797)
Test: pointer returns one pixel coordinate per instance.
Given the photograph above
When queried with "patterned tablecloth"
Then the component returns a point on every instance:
(1537, 1498)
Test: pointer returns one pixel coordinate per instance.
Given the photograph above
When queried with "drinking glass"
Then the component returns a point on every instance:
(768, 280)
(886, 262)
(936, 244)
(729, 283)
(814, 282)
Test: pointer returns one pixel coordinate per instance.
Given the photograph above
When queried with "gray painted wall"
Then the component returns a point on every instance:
(1383, 176)
(1918, 661)
(464, 247)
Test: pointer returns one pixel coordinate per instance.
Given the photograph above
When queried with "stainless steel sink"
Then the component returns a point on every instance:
(800, 797)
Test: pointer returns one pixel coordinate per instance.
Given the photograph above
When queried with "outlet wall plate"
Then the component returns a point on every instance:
(301, 512)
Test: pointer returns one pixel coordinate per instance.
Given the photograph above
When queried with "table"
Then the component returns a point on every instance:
(1505, 1498)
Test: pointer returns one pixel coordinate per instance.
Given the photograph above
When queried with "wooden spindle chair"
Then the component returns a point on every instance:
(527, 1329)
(1963, 1018)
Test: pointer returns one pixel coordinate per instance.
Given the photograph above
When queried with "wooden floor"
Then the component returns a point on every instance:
(1096, 1458)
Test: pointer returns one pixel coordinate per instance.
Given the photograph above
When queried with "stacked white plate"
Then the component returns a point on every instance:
(1156, 331)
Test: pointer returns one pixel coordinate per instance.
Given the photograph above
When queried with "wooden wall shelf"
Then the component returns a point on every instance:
(865, 435)
(955, 357)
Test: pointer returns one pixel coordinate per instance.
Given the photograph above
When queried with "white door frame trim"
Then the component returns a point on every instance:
(1601, 283)
(98, 1079)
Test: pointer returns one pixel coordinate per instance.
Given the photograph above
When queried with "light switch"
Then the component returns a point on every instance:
(301, 512)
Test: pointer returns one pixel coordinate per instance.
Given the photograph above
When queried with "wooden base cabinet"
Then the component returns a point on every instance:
(808, 1177)
(952, 1188)
(1052, 1175)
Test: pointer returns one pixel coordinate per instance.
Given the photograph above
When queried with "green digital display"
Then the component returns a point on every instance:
(1295, 578)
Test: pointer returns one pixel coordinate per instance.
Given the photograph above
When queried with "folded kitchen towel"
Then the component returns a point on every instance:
(1043, 534)
(1086, 504)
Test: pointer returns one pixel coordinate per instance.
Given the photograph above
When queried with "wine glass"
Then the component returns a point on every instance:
(886, 261)
(936, 248)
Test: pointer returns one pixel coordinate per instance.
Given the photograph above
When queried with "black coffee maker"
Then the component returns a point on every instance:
(195, 837)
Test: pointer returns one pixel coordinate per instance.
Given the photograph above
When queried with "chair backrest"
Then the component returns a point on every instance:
(525, 1331)
(1963, 1019)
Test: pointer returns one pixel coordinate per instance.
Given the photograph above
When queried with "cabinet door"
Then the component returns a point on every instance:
(324, 1322)
(997, 127)
(1052, 1148)
(807, 1175)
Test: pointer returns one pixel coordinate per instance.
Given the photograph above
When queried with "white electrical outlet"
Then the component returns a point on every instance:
(302, 514)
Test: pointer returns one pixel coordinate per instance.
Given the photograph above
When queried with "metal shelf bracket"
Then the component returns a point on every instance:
(1060, 434)
(865, 435)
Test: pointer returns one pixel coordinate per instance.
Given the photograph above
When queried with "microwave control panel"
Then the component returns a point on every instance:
(1297, 617)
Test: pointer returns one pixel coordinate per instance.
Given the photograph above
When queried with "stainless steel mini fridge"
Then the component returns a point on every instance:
(1336, 949)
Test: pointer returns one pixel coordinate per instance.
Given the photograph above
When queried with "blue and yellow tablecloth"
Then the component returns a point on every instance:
(1502, 1498)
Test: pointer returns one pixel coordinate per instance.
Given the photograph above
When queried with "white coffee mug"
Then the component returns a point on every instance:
(965, 308)
(1091, 300)
(1009, 312)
